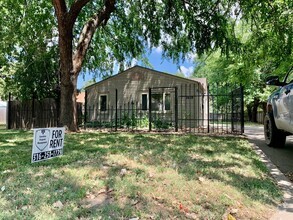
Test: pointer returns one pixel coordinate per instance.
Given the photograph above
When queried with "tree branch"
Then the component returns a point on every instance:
(99, 19)
(75, 9)
(60, 8)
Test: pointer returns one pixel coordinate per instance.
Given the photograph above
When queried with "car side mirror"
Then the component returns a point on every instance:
(274, 81)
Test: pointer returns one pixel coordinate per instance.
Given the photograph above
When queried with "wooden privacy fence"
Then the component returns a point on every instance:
(36, 114)
(260, 117)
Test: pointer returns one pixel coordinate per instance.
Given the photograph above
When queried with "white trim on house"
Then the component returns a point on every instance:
(147, 104)
(163, 109)
(107, 102)
(163, 102)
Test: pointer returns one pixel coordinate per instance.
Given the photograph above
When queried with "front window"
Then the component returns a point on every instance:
(103, 103)
(144, 102)
(157, 102)
(161, 102)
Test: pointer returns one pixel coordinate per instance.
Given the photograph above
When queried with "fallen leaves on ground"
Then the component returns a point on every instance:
(58, 204)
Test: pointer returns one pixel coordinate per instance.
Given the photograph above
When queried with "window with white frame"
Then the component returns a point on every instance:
(144, 101)
(161, 102)
(103, 103)
(157, 102)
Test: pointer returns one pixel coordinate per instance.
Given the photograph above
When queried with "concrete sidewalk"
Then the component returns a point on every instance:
(285, 210)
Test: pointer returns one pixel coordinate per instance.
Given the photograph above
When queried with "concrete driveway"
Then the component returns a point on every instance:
(276, 159)
(281, 157)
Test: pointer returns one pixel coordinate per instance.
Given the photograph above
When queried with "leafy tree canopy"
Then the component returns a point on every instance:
(29, 52)
(98, 34)
(265, 49)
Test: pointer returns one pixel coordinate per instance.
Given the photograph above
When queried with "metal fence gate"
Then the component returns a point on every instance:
(163, 108)
(187, 108)
(225, 109)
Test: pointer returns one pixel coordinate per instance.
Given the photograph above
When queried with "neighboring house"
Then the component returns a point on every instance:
(80, 97)
(3, 107)
(137, 87)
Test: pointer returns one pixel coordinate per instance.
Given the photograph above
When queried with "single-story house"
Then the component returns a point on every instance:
(147, 90)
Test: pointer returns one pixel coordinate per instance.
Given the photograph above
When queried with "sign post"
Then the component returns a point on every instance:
(47, 143)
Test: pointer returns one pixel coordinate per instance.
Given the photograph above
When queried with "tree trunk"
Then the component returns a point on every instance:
(68, 78)
(68, 92)
(68, 105)
(264, 107)
(249, 112)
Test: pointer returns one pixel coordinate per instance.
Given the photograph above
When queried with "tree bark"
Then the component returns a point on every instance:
(68, 78)
(68, 82)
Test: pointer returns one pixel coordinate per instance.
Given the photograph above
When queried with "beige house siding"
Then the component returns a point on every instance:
(134, 82)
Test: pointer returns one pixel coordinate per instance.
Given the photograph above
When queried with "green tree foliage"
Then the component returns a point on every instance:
(98, 34)
(29, 56)
(271, 27)
(265, 49)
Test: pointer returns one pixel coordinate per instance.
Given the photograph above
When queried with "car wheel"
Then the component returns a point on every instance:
(273, 136)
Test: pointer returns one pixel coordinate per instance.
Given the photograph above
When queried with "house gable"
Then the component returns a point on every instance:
(138, 73)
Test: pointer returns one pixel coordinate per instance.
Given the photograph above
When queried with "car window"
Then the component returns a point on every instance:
(290, 77)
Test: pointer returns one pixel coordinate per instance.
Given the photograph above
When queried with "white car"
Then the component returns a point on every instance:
(278, 121)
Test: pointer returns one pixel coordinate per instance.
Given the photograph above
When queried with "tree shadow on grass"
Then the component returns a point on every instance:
(192, 156)
(260, 188)
(33, 191)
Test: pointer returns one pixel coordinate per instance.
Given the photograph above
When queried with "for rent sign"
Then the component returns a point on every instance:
(47, 143)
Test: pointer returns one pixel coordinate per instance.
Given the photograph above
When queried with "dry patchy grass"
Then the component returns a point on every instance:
(122, 175)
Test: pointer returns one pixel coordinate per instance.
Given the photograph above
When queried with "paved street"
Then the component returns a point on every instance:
(276, 159)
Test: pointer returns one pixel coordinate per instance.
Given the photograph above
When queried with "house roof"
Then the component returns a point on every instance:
(198, 80)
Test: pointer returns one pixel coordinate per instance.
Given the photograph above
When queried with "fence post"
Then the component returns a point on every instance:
(33, 110)
(116, 109)
(85, 109)
(232, 112)
(176, 109)
(208, 105)
(58, 106)
(150, 109)
(242, 107)
(9, 112)
(132, 115)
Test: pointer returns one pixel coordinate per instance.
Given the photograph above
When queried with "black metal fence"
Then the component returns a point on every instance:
(217, 110)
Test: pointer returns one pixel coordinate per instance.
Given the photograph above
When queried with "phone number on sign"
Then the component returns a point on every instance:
(46, 155)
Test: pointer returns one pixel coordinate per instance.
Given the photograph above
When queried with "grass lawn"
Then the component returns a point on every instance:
(124, 175)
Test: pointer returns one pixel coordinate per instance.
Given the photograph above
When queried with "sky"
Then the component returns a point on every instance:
(158, 63)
